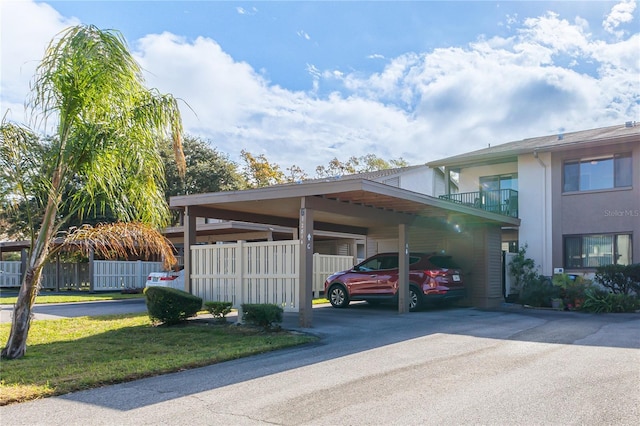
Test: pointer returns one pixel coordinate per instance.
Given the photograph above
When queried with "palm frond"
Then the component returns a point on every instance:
(110, 125)
(120, 240)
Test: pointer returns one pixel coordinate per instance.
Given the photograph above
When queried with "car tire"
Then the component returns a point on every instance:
(338, 296)
(415, 299)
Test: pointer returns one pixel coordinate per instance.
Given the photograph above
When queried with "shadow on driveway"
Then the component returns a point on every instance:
(362, 328)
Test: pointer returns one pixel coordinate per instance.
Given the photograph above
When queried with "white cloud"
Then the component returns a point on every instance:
(422, 106)
(621, 13)
(243, 11)
(304, 35)
(25, 31)
(504, 89)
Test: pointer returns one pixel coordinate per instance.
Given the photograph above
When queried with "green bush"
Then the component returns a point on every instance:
(169, 305)
(539, 292)
(602, 301)
(572, 289)
(523, 270)
(263, 315)
(620, 279)
(219, 310)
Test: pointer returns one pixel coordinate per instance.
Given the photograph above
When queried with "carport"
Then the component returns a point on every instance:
(374, 210)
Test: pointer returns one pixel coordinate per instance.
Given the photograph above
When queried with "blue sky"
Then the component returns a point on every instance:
(304, 82)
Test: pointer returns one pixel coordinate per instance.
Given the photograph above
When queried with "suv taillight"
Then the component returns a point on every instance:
(436, 277)
(168, 278)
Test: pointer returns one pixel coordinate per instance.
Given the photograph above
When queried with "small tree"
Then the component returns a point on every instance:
(106, 147)
(259, 172)
(523, 269)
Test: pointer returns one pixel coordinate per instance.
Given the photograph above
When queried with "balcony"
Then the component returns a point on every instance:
(504, 201)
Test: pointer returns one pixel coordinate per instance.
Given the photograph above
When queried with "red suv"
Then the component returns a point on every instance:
(432, 278)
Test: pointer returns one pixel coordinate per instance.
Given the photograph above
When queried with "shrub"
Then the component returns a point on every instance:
(620, 279)
(602, 301)
(263, 315)
(523, 269)
(219, 310)
(539, 292)
(169, 305)
(572, 289)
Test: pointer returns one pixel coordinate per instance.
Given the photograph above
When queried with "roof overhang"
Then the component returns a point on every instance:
(350, 206)
(510, 151)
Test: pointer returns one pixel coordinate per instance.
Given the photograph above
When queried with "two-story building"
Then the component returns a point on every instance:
(577, 195)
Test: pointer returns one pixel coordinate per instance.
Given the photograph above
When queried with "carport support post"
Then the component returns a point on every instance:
(189, 240)
(403, 269)
(306, 265)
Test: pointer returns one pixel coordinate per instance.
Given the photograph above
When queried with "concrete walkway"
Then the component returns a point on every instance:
(373, 366)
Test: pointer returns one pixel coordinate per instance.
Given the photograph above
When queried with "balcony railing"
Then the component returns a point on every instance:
(504, 201)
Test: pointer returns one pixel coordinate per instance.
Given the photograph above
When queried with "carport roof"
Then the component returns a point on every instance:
(339, 205)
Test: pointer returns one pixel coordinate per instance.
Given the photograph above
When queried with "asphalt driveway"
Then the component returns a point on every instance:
(72, 310)
(373, 366)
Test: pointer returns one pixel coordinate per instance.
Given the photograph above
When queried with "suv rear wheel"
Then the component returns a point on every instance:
(415, 299)
(338, 296)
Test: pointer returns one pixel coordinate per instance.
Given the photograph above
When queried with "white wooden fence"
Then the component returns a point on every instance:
(262, 272)
(107, 275)
(66, 276)
(10, 274)
(325, 265)
(268, 272)
(115, 276)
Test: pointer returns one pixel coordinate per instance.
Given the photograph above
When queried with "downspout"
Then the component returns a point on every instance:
(544, 207)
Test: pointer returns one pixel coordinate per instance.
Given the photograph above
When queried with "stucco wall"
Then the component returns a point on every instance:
(423, 180)
(534, 208)
(470, 177)
(591, 212)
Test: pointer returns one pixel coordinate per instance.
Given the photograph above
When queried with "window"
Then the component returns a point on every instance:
(598, 173)
(591, 251)
(497, 183)
(384, 262)
(498, 193)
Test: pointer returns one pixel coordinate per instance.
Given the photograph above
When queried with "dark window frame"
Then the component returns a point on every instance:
(622, 177)
(569, 262)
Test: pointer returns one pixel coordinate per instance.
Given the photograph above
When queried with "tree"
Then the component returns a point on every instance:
(363, 164)
(296, 174)
(207, 170)
(523, 269)
(259, 172)
(108, 128)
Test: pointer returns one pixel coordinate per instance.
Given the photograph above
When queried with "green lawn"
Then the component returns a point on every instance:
(88, 297)
(80, 353)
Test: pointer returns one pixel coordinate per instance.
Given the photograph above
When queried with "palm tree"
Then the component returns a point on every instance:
(105, 148)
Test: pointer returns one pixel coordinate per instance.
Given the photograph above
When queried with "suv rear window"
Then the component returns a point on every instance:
(445, 262)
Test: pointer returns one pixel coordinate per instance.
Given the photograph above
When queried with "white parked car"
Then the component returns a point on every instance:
(171, 279)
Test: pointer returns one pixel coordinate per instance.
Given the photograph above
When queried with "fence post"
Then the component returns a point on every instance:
(239, 279)
(138, 274)
(317, 273)
(58, 267)
(23, 264)
(92, 278)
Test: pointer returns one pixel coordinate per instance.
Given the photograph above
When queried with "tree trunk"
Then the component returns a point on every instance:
(21, 321)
